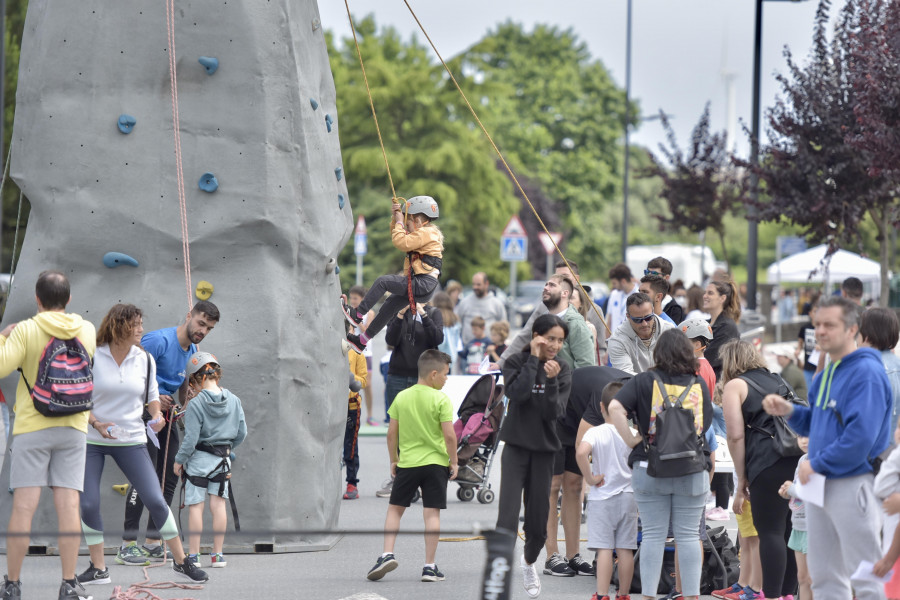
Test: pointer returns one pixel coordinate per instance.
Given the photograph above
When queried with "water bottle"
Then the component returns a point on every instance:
(114, 430)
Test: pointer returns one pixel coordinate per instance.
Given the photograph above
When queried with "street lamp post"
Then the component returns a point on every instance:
(627, 133)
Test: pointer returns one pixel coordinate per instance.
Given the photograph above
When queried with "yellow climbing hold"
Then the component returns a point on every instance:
(121, 488)
(204, 290)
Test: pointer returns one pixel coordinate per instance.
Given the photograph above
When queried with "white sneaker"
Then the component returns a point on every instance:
(531, 579)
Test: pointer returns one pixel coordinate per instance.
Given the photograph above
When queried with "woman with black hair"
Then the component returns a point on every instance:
(537, 386)
(660, 497)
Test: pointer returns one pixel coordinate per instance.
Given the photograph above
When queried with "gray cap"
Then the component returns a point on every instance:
(422, 205)
(198, 360)
(694, 328)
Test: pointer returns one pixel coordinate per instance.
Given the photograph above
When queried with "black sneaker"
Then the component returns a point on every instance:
(432, 574)
(356, 343)
(190, 571)
(580, 566)
(558, 566)
(67, 591)
(155, 553)
(11, 590)
(384, 565)
(350, 313)
(94, 576)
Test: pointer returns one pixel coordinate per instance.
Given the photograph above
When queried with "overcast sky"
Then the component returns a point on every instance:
(681, 49)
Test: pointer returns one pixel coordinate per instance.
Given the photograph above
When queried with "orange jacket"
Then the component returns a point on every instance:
(425, 240)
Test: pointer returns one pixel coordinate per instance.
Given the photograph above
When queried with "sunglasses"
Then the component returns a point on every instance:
(646, 319)
(649, 272)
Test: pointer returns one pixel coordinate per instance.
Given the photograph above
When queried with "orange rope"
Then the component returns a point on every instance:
(503, 160)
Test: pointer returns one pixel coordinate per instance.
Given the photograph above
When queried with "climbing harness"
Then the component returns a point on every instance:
(222, 477)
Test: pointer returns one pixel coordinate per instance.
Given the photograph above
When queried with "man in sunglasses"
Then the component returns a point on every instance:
(631, 344)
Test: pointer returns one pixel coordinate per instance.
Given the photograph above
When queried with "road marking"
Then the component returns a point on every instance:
(364, 596)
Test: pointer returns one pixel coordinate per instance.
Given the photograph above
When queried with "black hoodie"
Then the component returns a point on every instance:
(535, 402)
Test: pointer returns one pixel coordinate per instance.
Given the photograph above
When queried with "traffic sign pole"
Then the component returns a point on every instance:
(513, 249)
(360, 247)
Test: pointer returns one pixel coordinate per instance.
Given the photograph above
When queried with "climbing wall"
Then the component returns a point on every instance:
(266, 209)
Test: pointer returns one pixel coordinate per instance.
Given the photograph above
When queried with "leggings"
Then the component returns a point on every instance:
(423, 287)
(138, 469)
(528, 472)
(134, 505)
(772, 519)
(723, 486)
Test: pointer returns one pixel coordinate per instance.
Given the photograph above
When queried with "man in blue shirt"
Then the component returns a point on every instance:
(170, 348)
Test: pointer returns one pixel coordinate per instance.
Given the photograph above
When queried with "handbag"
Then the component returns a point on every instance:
(785, 438)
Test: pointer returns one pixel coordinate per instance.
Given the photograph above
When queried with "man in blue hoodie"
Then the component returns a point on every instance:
(848, 424)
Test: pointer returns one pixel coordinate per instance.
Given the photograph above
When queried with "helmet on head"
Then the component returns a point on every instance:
(694, 328)
(423, 205)
(198, 360)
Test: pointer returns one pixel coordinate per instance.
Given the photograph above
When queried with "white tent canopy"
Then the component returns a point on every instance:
(843, 264)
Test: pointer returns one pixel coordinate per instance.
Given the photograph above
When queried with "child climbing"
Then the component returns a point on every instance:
(213, 426)
(423, 243)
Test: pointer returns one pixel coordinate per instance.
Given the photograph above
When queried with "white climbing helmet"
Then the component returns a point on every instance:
(694, 328)
(423, 205)
(198, 360)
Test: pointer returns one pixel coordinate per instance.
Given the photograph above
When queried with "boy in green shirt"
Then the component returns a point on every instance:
(422, 446)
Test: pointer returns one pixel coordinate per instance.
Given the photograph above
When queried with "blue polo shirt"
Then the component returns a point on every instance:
(171, 360)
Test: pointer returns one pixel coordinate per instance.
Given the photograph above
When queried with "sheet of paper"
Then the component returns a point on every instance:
(151, 435)
(814, 357)
(864, 572)
(485, 367)
(813, 491)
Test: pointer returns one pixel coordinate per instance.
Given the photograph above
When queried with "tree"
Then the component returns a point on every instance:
(430, 149)
(700, 187)
(812, 176)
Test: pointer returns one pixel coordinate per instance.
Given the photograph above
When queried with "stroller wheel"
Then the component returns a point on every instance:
(485, 496)
(465, 493)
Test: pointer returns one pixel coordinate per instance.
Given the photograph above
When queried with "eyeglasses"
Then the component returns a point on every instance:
(646, 319)
(651, 272)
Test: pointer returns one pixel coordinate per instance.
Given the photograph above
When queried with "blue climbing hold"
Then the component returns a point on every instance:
(328, 122)
(210, 63)
(208, 183)
(337, 270)
(313, 103)
(339, 172)
(117, 259)
(126, 123)
(340, 200)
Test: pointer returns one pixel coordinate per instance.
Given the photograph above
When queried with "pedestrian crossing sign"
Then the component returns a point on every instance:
(513, 249)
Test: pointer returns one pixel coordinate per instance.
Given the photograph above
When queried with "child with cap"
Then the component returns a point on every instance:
(423, 243)
(213, 426)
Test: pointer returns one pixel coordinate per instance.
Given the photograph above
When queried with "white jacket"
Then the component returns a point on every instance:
(626, 350)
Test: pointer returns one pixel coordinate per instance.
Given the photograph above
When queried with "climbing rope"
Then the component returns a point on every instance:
(176, 129)
(503, 160)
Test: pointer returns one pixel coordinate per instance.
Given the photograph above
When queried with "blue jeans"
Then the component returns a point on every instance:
(663, 499)
(718, 423)
(393, 385)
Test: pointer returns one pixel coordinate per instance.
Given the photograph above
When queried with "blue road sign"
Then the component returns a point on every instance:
(360, 245)
(513, 249)
(790, 244)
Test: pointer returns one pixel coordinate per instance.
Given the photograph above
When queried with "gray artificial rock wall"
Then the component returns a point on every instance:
(265, 125)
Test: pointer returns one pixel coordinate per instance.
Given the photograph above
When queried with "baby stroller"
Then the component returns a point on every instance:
(480, 417)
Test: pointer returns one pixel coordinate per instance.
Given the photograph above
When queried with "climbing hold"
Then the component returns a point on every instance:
(331, 265)
(339, 172)
(328, 122)
(204, 290)
(208, 183)
(340, 201)
(211, 63)
(126, 123)
(316, 23)
(121, 488)
(117, 259)
(313, 103)
(337, 270)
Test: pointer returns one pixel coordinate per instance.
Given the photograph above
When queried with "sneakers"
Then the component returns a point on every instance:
(350, 313)
(67, 591)
(581, 566)
(130, 555)
(385, 491)
(356, 343)
(372, 422)
(384, 565)
(558, 566)
(717, 514)
(94, 576)
(190, 571)
(746, 593)
(217, 561)
(155, 553)
(352, 493)
(735, 587)
(11, 590)
(625, 597)
(530, 579)
(432, 574)
(194, 558)
(596, 597)
(673, 594)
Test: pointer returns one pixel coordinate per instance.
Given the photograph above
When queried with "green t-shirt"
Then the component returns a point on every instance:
(419, 412)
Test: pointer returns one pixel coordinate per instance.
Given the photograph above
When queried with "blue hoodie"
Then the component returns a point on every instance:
(216, 419)
(849, 417)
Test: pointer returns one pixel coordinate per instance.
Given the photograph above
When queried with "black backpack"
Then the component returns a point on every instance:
(784, 438)
(677, 449)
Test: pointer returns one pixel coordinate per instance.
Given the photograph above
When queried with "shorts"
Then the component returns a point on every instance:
(797, 541)
(612, 523)
(197, 495)
(565, 461)
(431, 479)
(745, 522)
(52, 457)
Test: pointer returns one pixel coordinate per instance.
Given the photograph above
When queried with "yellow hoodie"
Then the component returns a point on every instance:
(23, 348)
